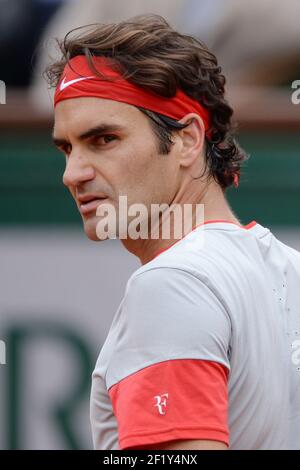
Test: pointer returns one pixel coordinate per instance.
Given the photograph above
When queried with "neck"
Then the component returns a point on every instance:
(211, 204)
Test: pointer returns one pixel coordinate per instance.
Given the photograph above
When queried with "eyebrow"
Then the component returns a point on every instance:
(93, 131)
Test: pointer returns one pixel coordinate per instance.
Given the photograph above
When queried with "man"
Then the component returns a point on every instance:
(203, 351)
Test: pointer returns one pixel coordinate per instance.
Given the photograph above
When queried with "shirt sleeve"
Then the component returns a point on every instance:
(168, 375)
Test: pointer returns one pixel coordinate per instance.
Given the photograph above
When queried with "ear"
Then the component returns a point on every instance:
(192, 139)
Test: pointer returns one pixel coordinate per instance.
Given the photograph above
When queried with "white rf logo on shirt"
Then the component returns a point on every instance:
(161, 403)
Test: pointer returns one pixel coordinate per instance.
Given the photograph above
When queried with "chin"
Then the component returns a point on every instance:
(89, 227)
(92, 236)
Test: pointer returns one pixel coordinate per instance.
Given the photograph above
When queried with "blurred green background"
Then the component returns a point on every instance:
(31, 190)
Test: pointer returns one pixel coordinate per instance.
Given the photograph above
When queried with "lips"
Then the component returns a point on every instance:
(90, 204)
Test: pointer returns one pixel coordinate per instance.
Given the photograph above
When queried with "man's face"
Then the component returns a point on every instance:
(111, 151)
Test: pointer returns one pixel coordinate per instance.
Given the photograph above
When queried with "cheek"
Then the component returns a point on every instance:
(145, 174)
(137, 171)
(133, 167)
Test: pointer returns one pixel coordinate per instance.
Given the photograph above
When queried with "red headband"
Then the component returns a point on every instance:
(78, 80)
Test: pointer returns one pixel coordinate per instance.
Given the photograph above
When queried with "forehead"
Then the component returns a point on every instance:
(77, 114)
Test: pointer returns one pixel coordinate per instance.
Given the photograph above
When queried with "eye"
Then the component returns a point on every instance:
(105, 139)
(66, 149)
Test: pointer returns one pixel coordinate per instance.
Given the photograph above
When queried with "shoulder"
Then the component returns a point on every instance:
(205, 257)
(172, 284)
(171, 310)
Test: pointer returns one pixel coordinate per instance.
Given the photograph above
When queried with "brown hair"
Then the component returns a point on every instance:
(151, 54)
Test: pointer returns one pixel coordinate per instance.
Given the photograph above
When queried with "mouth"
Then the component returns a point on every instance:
(90, 205)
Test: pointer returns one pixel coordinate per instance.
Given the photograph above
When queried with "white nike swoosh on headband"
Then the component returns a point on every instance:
(65, 84)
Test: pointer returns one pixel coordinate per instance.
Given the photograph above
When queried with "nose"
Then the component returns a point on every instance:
(77, 171)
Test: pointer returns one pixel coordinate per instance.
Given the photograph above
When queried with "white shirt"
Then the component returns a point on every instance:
(205, 345)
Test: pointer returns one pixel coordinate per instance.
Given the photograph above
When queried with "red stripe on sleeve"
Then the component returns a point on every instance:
(172, 400)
